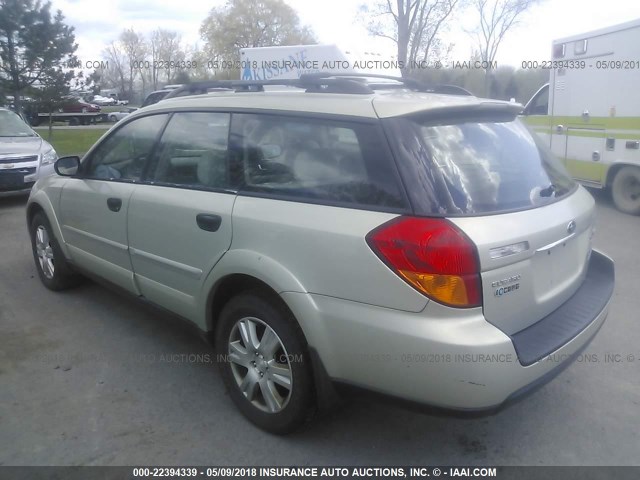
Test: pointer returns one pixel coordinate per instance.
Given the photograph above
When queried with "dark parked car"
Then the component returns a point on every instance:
(78, 105)
(155, 97)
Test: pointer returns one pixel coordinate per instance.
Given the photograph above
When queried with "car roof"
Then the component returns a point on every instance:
(379, 104)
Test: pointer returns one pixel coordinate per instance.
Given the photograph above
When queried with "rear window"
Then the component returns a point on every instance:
(315, 160)
(476, 166)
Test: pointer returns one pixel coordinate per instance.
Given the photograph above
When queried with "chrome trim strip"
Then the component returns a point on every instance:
(186, 269)
(556, 243)
(111, 243)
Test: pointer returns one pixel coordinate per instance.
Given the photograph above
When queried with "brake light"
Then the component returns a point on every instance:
(433, 256)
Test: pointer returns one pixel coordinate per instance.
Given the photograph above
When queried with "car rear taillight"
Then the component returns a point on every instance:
(433, 256)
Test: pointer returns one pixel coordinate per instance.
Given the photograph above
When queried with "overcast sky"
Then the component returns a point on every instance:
(334, 21)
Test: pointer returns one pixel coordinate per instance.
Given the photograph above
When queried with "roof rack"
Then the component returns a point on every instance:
(324, 82)
(311, 84)
(401, 82)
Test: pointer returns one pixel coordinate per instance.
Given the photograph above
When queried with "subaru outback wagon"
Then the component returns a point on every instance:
(338, 230)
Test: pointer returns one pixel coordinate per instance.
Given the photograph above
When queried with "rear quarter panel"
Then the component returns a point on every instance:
(323, 247)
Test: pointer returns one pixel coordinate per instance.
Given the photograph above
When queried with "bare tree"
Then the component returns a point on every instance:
(154, 53)
(135, 49)
(116, 73)
(169, 51)
(496, 18)
(413, 25)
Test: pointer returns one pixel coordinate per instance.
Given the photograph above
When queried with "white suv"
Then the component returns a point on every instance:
(340, 230)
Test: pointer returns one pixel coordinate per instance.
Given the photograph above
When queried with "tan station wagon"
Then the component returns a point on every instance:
(338, 230)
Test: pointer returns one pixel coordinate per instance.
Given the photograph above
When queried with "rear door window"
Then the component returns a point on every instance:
(316, 160)
(193, 151)
(476, 166)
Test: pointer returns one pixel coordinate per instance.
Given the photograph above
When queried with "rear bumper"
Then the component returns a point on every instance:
(556, 329)
(446, 357)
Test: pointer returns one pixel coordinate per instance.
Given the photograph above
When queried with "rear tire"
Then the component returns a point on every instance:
(264, 362)
(53, 269)
(625, 190)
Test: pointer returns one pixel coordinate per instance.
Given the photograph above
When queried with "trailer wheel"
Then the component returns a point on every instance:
(73, 121)
(625, 190)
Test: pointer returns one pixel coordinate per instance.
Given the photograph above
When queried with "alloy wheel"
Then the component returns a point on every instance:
(44, 250)
(260, 365)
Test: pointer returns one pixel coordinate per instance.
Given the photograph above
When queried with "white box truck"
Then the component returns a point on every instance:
(589, 112)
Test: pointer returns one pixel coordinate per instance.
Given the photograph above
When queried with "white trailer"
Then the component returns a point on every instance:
(76, 118)
(589, 112)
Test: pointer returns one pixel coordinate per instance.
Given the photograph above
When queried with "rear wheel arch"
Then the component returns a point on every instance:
(232, 285)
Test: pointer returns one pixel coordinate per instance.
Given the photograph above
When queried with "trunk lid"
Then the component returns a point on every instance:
(531, 261)
(483, 170)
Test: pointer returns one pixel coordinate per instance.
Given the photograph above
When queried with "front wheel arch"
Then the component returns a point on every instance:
(32, 210)
(58, 275)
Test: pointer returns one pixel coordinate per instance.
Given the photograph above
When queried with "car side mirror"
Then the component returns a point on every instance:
(67, 166)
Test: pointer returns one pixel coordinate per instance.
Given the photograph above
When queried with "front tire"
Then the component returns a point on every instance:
(265, 364)
(625, 190)
(53, 269)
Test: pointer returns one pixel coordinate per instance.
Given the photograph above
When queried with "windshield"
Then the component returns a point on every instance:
(476, 166)
(11, 125)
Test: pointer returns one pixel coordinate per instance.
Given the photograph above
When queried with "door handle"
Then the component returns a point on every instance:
(114, 204)
(208, 222)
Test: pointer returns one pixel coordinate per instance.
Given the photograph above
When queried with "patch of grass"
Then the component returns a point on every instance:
(112, 108)
(73, 141)
(117, 108)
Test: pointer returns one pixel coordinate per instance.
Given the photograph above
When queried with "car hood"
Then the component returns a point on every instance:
(21, 145)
